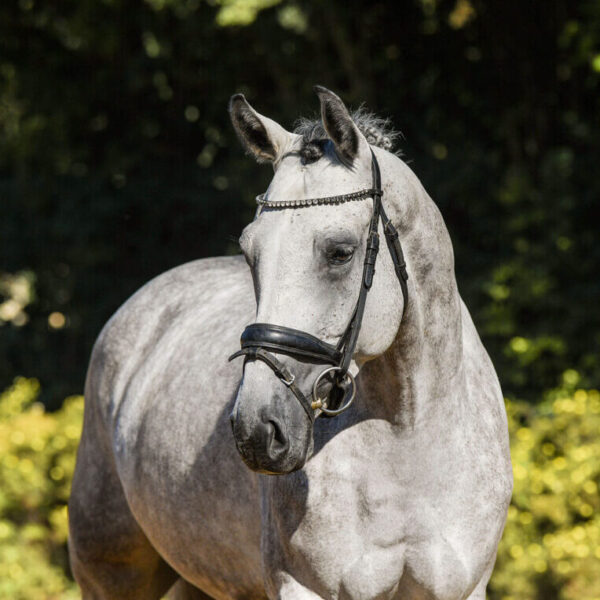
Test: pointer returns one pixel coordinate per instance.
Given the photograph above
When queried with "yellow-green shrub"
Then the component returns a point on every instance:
(37, 457)
(551, 544)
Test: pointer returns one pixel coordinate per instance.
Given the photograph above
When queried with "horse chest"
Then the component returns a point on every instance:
(364, 525)
(321, 520)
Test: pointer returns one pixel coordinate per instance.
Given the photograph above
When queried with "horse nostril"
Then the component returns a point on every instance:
(277, 438)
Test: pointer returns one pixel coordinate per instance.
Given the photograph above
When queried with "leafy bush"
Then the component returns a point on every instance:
(550, 548)
(37, 457)
(551, 544)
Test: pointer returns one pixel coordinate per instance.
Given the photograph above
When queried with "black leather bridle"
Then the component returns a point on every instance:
(260, 340)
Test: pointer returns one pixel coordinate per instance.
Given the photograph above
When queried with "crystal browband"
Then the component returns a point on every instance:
(361, 195)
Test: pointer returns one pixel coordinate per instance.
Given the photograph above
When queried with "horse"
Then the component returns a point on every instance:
(403, 494)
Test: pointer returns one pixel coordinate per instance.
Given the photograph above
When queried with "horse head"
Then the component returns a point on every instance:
(312, 265)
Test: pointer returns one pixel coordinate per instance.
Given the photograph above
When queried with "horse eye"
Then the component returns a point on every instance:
(340, 255)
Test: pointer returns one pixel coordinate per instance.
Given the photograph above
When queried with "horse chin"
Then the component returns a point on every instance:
(283, 465)
(274, 469)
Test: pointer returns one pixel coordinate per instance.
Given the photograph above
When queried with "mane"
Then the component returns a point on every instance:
(377, 130)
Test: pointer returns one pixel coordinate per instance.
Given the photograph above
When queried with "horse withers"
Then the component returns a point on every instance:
(402, 495)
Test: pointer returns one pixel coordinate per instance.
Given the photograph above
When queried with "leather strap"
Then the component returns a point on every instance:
(281, 371)
(350, 337)
(393, 244)
(289, 341)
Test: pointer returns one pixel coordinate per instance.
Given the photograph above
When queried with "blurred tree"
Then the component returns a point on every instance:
(117, 160)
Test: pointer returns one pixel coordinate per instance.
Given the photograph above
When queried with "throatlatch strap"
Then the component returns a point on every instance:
(395, 248)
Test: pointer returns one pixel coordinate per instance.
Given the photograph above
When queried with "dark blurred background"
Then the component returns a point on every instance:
(117, 159)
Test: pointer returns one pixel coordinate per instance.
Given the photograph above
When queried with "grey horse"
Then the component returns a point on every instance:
(404, 495)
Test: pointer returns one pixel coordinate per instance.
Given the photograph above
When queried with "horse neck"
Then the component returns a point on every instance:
(415, 378)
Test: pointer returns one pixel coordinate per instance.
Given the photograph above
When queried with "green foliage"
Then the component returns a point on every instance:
(551, 544)
(241, 12)
(18, 290)
(37, 458)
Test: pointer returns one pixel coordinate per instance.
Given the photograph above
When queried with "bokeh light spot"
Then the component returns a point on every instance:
(57, 320)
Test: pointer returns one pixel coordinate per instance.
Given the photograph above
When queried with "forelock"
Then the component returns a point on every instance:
(377, 131)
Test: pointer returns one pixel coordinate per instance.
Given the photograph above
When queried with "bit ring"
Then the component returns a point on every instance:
(318, 403)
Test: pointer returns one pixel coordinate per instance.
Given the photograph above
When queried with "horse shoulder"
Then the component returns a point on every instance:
(204, 287)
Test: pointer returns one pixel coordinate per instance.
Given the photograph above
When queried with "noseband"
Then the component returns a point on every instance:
(259, 340)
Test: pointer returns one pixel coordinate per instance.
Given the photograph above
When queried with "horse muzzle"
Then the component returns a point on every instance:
(272, 434)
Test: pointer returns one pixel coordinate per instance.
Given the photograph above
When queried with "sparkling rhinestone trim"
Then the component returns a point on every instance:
(360, 195)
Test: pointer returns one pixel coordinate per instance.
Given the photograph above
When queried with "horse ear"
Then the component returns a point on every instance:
(340, 127)
(263, 138)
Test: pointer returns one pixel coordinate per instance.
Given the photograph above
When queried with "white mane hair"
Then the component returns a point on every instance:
(377, 130)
